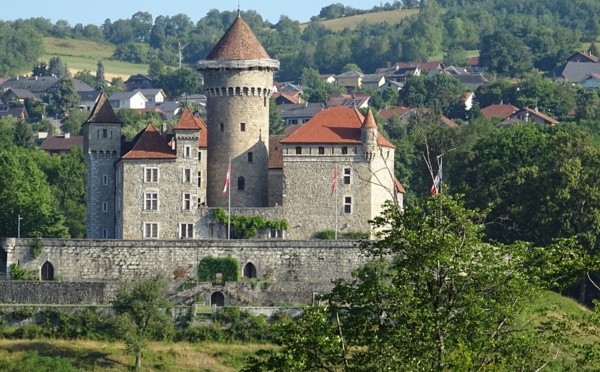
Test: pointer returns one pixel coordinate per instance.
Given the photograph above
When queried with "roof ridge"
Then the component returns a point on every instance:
(103, 112)
(150, 145)
(238, 43)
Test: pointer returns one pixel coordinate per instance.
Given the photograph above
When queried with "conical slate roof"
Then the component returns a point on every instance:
(238, 43)
(103, 112)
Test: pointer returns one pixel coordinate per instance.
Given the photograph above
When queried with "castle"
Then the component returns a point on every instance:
(334, 172)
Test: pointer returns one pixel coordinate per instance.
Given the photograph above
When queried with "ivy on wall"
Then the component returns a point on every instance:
(330, 235)
(246, 227)
(209, 267)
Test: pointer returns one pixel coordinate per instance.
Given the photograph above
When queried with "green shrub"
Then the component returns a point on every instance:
(209, 267)
(31, 361)
(325, 234)
(36, 247)
(18, 273)
(330, 235)
(246, 227)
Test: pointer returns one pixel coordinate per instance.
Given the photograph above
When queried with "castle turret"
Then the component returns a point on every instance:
(238, 82)
(369, 137)
(101, 149)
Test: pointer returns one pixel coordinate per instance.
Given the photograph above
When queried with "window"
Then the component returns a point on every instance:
(298, 150)
(275, 233)
(104, 206)
(321, 150)
(187, 175)
(241, 184)
(105, 179)
(151, 201)
(344, 150)
(242, 127)
(105, 233)
(186, 231)
(104, 133)
(187, 151)
(151, 175)
(347, 204)
(187, 202)
(347, 174)
(199, 179)
(199, 156)
(150, 230)
(222, 126)
(249, 157)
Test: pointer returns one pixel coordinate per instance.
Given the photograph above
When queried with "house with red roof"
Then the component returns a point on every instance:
(527, 115)
(501, 111)
(60, 145)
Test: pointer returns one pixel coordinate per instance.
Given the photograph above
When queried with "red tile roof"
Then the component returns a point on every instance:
(292, 128)
(473, 61)
(60, 143)
(238, 43)
(103, 112)
(335, 125)
(187, 121)
(499, 111)
(398, 186)
(541, 115)
(369, 121)
(150, 145)
(203, 137)
(386, 114)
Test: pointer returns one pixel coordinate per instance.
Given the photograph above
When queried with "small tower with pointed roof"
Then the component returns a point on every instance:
(101, 149)
(368, 135)
(238, 82)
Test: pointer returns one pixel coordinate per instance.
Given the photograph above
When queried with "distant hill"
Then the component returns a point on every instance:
(392, 16)
(84, 55)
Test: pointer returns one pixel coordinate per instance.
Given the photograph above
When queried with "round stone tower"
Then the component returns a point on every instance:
(238, 82)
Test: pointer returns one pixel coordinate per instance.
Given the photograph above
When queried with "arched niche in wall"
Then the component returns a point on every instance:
(217, 298)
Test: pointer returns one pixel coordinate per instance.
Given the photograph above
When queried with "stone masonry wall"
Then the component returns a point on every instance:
(108, 260)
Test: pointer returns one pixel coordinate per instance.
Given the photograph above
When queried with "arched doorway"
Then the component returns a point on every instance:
(217, 298)
(47, 271)
(249, 271)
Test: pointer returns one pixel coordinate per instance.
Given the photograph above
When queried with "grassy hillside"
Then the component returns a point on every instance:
(84, 55)
(393, 16)
(111, 357)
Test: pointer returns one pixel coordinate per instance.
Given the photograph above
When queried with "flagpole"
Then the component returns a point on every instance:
(229, 204)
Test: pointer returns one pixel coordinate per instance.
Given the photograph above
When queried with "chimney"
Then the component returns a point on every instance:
(164, 128)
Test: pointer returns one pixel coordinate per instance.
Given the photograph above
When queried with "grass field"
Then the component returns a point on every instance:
(392, 16)
(84, 55)
(111, 357)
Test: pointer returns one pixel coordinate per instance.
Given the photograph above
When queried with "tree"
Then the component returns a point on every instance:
(176, 83)
(72, 123)
(26, 192)
(276, 124)
(456, 57)
(505, 54)
(351, 67)
(66, 96)
(23, 135)
(100, 78)
(143, 314)
(57, 68)
(435, 297)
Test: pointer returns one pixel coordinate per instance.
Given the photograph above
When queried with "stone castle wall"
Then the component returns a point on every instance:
(109, 260)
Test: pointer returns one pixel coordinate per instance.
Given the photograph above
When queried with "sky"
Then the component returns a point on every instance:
(95, 12)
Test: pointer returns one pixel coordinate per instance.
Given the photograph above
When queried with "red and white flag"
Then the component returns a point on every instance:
(334, 181)
(227, 178)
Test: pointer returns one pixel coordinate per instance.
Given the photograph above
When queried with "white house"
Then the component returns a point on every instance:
(132, 100)
(153, 95)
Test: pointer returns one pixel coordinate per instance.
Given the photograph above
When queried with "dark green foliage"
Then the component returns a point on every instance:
(276, 124)
(246, 227)
(19, 48)
(35, 247)
(330, 235)
(18, 273)
(66, 97)
(228, 267)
